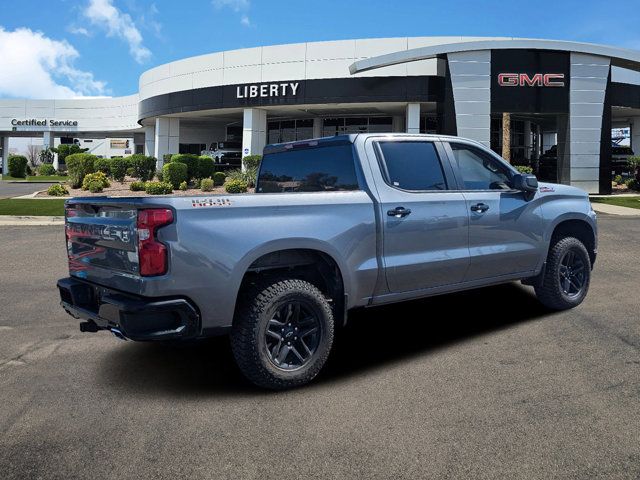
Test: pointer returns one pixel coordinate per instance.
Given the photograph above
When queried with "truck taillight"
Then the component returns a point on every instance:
(152, 254)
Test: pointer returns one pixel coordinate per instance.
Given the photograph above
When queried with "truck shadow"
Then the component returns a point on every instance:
(374, 338)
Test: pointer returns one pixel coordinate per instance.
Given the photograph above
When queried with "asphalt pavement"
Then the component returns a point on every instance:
(481, 384)
(15, 189)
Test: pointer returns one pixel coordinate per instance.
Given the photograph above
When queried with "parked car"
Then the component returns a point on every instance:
(225, 154)
(336, 224)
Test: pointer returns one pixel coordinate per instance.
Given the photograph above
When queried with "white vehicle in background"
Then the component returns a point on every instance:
(226, 154)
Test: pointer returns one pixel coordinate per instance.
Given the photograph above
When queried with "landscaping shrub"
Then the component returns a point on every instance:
(79, 165)
(252, 161)
(632, 184)
(158, 188)
(634, 166)
(67, 150)
(236, 186)
(617, 179)
(102, 165)
(524, 169)
(130, 171)
(57, 190)
(175, 173)
(205, 167)
(95, 186)
(118, 168)
(190, 160)
(183, 186)
(159, 175)
(18, 166)
(144, 167)
(206, 184)
(46, 169)
(247, 176)
(137, 186)
(166, 158)
(98, 177)
(219, 178)
(29, 171)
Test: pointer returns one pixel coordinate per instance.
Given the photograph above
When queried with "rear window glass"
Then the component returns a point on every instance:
(323, 169)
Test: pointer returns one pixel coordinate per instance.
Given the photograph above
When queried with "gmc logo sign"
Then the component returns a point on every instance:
(537, 80)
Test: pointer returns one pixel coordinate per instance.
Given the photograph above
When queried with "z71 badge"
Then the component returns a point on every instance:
(210, 202)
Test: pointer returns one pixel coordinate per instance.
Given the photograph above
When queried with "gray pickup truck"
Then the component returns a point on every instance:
(335, 224)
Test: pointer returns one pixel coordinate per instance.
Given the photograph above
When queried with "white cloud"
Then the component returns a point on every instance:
(238, 6)
(78, 30)
(104, 14)
(35, 66)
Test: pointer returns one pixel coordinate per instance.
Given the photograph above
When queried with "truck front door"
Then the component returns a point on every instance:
(425, 225)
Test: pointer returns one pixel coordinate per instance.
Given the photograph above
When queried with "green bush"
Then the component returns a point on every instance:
(166, 158)
(632, 184)
(66, 150)
(191, 161)
(524, 169)
(247, 176)
(205, 167)
(130, 171)
(175, 173)
(206, 184)
(236, 186)
(92, 178)
(159, 175)
(29, 171)
(144, 167)
(18, 166)
(219, 178)
(79, 165)
(183, 186)
(137, 186)
(46, 169)
(252, 161)
(57, 190)
(102, 165)
(617, 179)
(158, 188)
(118, 168)
(95, 186)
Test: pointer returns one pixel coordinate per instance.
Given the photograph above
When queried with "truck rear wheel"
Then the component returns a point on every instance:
(567, 275)
(282, 333)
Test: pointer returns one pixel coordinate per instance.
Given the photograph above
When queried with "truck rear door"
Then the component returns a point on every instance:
(425, 226)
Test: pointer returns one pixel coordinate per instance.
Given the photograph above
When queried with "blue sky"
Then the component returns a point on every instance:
(66, 48)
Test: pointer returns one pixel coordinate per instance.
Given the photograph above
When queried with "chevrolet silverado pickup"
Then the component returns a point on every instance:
(335, 224)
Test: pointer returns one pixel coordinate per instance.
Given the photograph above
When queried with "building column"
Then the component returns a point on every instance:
(413, 118)
(166, 138)
(5, 155)
(254, 131)
(587, 89)
(150, 141)
(317, 127)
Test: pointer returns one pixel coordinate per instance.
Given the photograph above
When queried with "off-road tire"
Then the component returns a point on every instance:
(550, 292)
(256, 306)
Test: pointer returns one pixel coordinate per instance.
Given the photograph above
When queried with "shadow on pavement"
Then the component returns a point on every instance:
(373, 338)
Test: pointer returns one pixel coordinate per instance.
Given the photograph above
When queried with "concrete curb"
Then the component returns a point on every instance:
(16, 220)
(615, 209)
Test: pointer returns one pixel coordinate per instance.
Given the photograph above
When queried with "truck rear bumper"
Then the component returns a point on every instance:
(128, 316)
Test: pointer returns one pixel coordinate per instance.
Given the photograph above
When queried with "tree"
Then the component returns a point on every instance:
(65, 150)
(33, 154)
(506, 136)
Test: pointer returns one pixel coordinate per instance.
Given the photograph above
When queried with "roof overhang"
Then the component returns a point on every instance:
(620, 57)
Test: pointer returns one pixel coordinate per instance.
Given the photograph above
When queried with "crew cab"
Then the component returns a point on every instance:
(335, 224)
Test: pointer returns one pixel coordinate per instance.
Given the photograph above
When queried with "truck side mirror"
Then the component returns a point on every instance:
(525, 182)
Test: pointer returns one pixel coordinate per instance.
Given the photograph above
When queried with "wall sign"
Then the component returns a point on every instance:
(33, 122)
(533, 80)
(267, 90)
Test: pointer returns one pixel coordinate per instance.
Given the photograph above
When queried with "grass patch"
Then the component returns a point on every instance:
(34, 207)
(38, 178)
(631, 202)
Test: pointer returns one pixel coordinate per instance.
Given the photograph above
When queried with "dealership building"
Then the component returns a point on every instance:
(564, 99)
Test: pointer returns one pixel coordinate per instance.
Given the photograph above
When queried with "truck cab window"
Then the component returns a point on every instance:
(480, 171)
(412, 166)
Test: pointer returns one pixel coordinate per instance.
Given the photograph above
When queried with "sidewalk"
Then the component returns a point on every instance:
(615, 209)
(14, 220)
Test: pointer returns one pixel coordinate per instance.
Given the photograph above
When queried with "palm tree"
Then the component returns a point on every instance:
(506, 136)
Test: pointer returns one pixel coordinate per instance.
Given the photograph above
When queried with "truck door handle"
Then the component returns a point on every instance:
(479, 207)
(399, 212)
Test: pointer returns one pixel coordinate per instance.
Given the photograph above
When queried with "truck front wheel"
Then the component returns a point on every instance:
(282, 332)
(566, 278)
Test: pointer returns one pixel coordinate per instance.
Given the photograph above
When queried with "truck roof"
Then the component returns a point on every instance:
(350, 138)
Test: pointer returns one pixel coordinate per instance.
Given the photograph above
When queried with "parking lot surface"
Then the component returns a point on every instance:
(481, 384)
